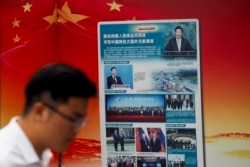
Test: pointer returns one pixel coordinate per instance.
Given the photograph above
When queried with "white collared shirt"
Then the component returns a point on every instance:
(178, 41)
(17, 151)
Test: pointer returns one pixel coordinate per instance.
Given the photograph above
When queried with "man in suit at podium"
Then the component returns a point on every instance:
(113, 79)
(178, 45)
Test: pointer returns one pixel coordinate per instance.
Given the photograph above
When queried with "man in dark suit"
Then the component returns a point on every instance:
(178, 46)
(121, 140)
(155, 143)
(145, 145)
(115, 140)
(113, 79)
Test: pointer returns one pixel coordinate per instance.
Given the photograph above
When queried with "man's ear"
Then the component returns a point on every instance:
(40, 112)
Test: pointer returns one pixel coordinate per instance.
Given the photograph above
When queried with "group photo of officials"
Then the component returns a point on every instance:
(176, 160)
(135, 108)
(121, 161)
(181, 139)
(135, 114)
(180, 102)
(151, 161)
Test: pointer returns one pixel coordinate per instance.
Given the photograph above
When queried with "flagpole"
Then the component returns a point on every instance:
(59, 159)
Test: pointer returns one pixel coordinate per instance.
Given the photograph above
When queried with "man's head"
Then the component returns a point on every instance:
(154, 135)
(178, 32)
(113, 71)
(56, 104)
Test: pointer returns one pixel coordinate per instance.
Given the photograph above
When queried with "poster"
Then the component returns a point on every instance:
(150, 93)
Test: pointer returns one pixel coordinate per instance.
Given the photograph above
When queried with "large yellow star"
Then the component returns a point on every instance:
(114, 6)
(27, 7)
(16, 38)
(65, 15)
(52, 18)
(16, 23)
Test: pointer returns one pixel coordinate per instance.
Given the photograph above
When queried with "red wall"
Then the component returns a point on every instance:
(224, 43)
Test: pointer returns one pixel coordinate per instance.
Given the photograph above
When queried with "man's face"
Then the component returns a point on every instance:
(113, 71)
(178, 33)
(61, 131)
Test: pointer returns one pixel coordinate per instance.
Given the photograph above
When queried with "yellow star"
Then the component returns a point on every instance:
(27, 7)
(52, 18)
(114, 6)
(16, 38)
(65, 15)
(16, 23)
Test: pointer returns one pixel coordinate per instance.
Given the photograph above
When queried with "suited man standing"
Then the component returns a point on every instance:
(155, 143)
(178, 46)
(115, 140)
(121, 140)
(145, 145)
(113, 79)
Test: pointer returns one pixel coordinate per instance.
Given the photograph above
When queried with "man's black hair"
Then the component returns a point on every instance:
(112, 68)
(178, 27)
(61, 81)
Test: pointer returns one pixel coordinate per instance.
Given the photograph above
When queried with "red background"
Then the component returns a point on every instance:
(224, 43)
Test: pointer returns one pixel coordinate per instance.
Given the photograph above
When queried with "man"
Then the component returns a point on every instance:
(145, 145)
(179, 45)
(115, 140)
(55, 110)
(121, 140)
(113, 79)
(155, 143)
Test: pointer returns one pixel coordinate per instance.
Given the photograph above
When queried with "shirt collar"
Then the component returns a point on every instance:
(26, 148)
